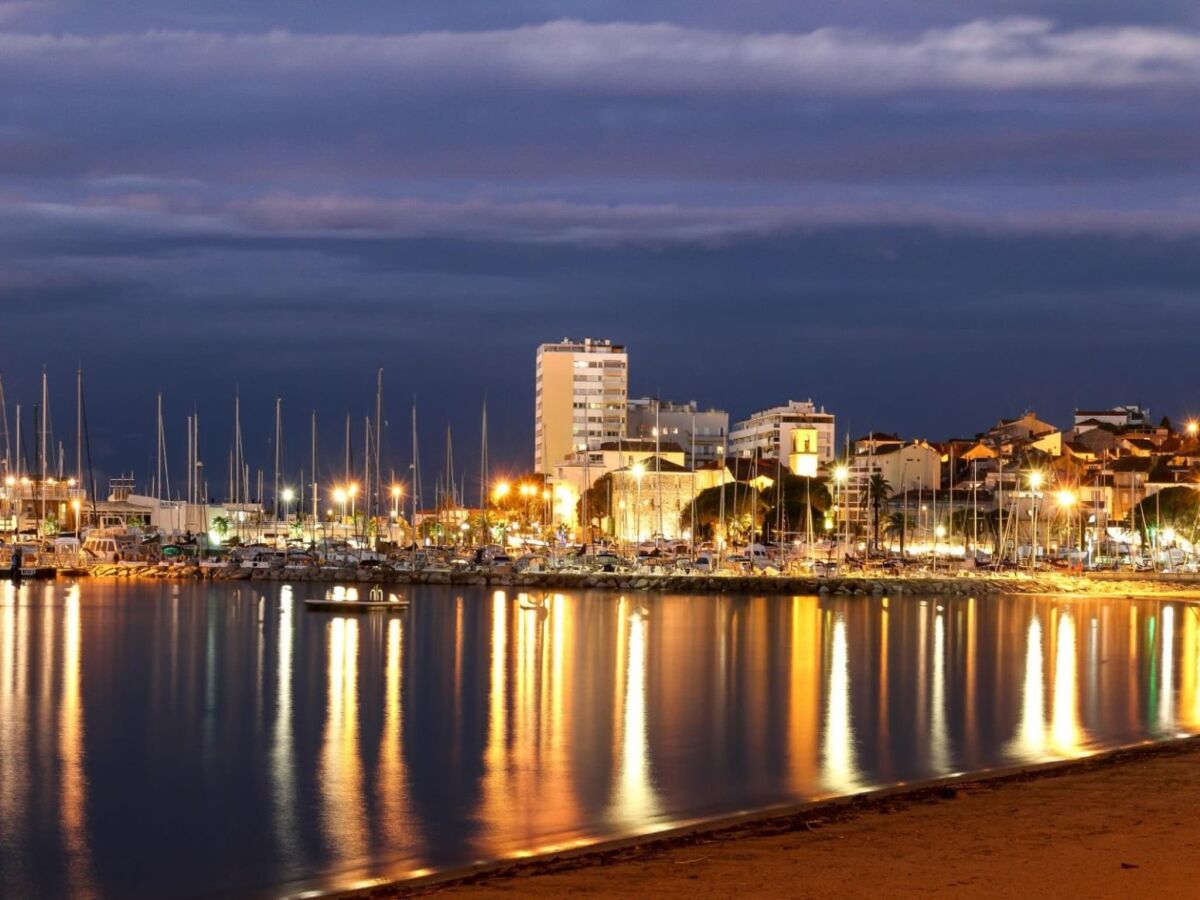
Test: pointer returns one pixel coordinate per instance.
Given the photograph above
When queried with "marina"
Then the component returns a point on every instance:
(197, 722)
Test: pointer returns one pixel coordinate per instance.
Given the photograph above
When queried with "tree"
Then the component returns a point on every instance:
(1177, 508)
(741, 515)
(878, 492)
(897, 525)
(798, 494)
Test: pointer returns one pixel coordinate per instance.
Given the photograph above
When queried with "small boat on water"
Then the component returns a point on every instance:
(343, 601)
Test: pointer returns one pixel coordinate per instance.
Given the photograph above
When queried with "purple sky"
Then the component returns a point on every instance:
(922, 215)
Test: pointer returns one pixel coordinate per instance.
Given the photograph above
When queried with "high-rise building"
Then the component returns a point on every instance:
(675, 423)
(768, 433)
(581, 392)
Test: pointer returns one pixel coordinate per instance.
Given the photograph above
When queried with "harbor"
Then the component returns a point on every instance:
(318, 751)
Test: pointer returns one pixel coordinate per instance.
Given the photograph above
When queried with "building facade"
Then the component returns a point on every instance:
(581, 391)
(679, 423)
(768, 433)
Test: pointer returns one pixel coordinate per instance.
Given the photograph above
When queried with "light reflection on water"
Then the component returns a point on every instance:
(183, 740)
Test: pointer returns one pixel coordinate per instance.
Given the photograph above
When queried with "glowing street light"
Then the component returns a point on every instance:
(501, 490)
(288, 495)
(397, 493)
(1193, 428)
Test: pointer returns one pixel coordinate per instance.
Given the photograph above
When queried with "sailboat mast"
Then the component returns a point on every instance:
(313, 463)
(4, 425)
(378, 432)
(483, 474)
(278, 442)
(158, 462)
(366, 474)
(78, 427)
(416, 473)
(44, 428)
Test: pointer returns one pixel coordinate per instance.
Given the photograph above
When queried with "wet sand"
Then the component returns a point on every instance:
(1122, 825)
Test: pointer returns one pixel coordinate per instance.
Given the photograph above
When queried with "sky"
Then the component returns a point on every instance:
(924, 216)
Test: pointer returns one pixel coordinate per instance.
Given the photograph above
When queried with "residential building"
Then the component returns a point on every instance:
(684, 424)
(581, 391)
(1132, 416)
(914, 468)
(768, 433)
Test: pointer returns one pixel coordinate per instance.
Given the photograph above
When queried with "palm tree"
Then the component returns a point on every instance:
(878, 491)
(897, 525)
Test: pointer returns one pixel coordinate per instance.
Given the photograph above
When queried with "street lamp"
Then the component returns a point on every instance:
(339, 497)
(397, 493)
(288, 496)
(75, 505)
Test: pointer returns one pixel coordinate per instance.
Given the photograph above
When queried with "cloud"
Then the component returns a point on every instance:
(646, 59)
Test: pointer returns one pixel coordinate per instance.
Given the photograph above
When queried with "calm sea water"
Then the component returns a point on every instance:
(162, 740)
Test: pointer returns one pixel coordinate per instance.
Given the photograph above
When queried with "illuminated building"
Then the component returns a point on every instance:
(581, 390)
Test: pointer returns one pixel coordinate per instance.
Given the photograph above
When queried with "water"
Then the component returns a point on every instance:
(162, 740)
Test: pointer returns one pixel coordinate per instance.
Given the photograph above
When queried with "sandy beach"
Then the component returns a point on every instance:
(1121, 825)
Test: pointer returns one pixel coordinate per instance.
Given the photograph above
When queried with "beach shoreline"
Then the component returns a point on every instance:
(1123, 798)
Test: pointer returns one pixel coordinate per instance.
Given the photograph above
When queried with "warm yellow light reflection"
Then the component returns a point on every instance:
(342, 814)
(71, 752)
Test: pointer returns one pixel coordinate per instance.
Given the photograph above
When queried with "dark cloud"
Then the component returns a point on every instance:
(922, 215)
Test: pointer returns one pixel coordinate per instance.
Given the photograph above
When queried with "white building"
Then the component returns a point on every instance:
(1132, 416)
(675, 423)
(771, 429)
(581, 393)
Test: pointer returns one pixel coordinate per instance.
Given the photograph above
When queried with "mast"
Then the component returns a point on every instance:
(4, 426)
(163, 476)
(658, 467)
(44, 427)
(366, 475)
(346, 469)
(43, 434)
(314, 471)
(483, 473)
(238, 485)
(378, 431)
(78, 427)
(692, 530)
(415, 465)
(278, 442)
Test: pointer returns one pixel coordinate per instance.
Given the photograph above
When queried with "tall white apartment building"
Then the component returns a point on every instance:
(771, 429)
(581, 393)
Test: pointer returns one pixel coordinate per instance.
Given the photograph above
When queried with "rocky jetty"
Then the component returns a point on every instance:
(870, 584)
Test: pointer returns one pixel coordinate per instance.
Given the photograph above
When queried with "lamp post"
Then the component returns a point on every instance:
(76, 506)
(339, 497)
(288, 495)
